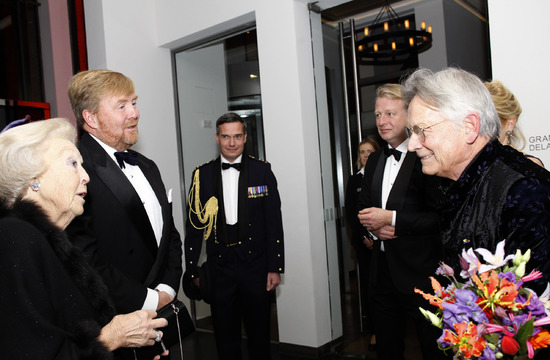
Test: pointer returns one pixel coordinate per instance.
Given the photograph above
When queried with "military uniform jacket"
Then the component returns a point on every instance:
(260, 228)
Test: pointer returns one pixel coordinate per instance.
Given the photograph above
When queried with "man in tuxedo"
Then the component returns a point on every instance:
(234, 206)
(398, 207)
(127, 230)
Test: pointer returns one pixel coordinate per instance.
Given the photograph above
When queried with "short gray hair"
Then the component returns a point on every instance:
(454, 93)
(22, 151)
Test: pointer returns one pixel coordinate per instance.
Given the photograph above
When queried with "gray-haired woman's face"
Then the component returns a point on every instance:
(63, 185)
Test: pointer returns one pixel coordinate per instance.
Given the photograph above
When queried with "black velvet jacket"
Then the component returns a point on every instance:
(54, 304)
(500, 195)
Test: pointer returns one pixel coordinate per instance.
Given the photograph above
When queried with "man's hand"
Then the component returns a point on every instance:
(164, 299)
(368, 242)
(374, 218)
(273, 280)
(386, 232)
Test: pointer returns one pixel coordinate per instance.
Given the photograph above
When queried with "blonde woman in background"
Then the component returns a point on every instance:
(509, 110)
(361, 243)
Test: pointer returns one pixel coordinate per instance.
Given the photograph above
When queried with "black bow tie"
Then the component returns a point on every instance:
(391, 151)
(129, 157)
(236, 166)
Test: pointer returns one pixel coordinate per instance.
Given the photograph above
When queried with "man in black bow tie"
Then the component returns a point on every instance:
(234, 205)
(398, 209)
(127, 230)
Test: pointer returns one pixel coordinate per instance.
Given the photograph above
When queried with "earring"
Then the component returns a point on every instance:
(35, 185)
(509, 135)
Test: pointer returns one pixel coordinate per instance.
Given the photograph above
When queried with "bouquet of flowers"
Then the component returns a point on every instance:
(491, 315)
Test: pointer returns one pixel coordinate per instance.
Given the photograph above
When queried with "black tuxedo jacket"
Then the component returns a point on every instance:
(115, 232)
(414, 255)
(260, 227)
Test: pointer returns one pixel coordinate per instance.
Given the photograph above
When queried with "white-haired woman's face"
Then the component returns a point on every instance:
(63, 185)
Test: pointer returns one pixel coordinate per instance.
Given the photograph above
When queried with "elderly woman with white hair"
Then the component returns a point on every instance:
(492, 192)
(55, 304)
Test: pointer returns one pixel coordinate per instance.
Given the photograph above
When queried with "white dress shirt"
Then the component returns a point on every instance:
(390, 173)
(230, 183)
(154, 213)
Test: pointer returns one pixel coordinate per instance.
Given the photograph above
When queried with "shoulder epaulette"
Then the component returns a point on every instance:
(206, 163)
(261, 160)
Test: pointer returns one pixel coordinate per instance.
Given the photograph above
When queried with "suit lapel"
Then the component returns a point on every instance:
(111, 175)
(164, 245)
(377, 177)
(159, 190)
(399, 188)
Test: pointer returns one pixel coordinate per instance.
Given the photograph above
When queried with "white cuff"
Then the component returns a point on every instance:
(166, 288)
(151, 300)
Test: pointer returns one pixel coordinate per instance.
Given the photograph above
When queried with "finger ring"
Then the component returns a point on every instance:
(159, 337)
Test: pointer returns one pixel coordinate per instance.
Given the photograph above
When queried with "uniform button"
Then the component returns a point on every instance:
(250, 251)
(190, 249)
(190, 262)
(219, 256)
(278, 255)
(280, 269)
(249, 238)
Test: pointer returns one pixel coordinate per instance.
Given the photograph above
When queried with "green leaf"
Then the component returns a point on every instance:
(524, 333)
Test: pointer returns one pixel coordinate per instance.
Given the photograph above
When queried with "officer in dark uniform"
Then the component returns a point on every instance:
(234, 206)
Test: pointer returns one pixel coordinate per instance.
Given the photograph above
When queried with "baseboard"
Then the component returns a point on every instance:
(307, 352)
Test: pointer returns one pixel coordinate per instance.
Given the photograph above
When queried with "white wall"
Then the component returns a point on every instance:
(291, 140)
(519, 32)
(121, 36)
(135, 38)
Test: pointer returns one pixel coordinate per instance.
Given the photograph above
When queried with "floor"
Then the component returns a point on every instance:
(353, 344)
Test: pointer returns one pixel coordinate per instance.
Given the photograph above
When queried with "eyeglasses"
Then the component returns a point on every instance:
(419, 130)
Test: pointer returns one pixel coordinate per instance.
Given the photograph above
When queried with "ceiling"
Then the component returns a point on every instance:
(355, 7)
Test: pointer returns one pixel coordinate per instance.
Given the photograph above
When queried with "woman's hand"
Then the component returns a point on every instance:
(136, 329)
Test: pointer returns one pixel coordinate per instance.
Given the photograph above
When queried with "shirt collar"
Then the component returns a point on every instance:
(108, 149)
(237, 160)
(403, 146)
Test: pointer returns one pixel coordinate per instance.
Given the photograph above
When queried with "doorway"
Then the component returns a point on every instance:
(351, 86)
(219, 76)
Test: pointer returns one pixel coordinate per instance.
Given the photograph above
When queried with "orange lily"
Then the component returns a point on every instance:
(466, 339)
(542, 339)
(497, 291)
(433, 299)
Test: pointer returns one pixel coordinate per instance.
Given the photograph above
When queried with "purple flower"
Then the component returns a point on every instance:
(488, 354)
(466, 297)
(510, 276)
(465, 309)
(536, 307)
(517, 321)
(444, 270)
